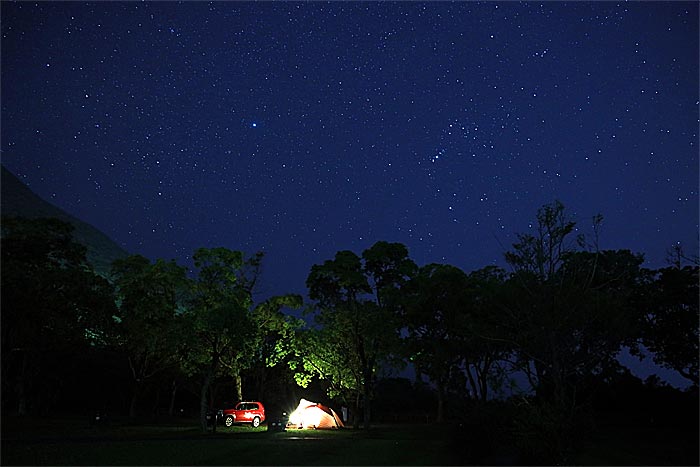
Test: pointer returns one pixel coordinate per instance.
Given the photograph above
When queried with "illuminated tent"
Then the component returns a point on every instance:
(312, 415)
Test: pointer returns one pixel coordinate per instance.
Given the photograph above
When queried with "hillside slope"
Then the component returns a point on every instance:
(18, 200)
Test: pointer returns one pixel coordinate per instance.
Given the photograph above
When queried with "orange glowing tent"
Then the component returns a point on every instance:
(312, 415)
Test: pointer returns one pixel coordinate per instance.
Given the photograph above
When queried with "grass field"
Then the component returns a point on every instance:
(74, 442)
(184, 444)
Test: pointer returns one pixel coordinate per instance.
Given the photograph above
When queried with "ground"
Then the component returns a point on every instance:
(74, 441)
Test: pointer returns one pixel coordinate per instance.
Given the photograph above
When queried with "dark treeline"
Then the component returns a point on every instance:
(151, 339)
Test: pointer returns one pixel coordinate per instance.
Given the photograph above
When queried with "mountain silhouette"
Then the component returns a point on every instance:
(18, 200)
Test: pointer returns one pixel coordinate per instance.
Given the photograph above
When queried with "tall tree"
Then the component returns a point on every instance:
(272, 343)
(436, 309)
(218, 315)
(54, 307)
(670, 319)
(481, 355)
(228, 333)
(570, 308)
(150, 299)
(358, 299)
(449, 316)
(570, 311)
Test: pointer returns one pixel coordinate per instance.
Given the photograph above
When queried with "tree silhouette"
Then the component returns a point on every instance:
(54, 307)
(218, 317)
(670, 320)
(436, 309)
(150, 299)
(569, 311)
(358, 300)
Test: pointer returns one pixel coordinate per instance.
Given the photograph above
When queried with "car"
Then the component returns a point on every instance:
(252, 412)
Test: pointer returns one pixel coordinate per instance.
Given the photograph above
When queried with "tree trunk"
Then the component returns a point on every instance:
(137, 372)
(367, 393)
(171, 408)
(262, 378)
(440, 403)
(134, 398)
(21, 387)
(367, 412)
(213, 388)
(472, 383)
(156, 404)
(237, 381)
(419, 379)
(203, 403)
(203, 398)
(484, 389)
(543, 389)
(356, 412)
(481, 374)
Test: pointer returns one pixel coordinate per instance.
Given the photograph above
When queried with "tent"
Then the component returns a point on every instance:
(312, 415)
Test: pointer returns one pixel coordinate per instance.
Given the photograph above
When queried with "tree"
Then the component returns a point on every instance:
(322, 353)
(569, 312)
(449, 316)
(150, 299)
(357, 301)
(218, 316)
(227, 332)
(481, 355)
(670, 323)
(273, 342)
(54, 308)
(436, 308)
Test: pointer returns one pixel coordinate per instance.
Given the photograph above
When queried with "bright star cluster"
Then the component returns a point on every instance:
(302, 129)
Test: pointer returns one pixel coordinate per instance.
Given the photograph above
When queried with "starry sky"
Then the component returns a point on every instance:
(301, 129)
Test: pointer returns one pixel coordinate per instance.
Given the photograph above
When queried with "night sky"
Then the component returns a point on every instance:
(306, 128)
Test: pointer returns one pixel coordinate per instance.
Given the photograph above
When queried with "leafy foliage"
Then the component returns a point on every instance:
(53, 306)
(670, 322)
(221, 328)
(568, 313)
(150, 298)
(318, 354)
(436, 308)
(561, 316)
(359, 310)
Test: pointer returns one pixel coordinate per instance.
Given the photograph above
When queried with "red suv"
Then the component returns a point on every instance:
(244, 412)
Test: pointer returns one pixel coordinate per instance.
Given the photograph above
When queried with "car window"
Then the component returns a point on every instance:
(252, 406)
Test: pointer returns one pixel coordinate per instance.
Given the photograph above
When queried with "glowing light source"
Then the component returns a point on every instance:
(311, 415)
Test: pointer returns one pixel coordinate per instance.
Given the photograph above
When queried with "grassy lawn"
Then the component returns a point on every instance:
(180, 442)
(77, 444)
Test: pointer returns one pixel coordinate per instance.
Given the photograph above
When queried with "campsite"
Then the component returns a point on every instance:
(349, 233)
(437, 366)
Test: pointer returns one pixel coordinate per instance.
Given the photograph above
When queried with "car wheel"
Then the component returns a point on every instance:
(228, 421)
(256, 422)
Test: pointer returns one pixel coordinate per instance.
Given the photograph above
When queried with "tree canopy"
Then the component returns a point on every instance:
(560, 315)
(358, 307)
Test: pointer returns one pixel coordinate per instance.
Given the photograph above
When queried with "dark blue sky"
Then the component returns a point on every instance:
(307, 128)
